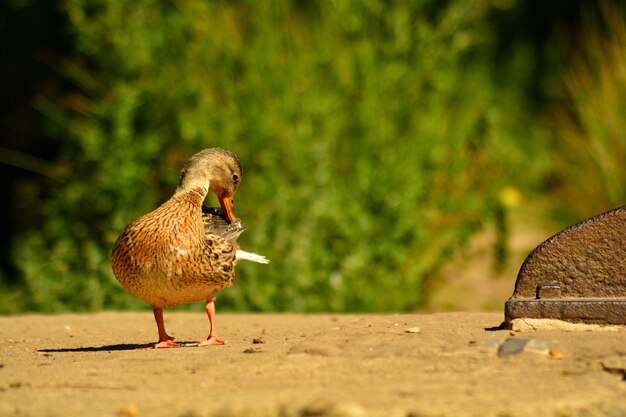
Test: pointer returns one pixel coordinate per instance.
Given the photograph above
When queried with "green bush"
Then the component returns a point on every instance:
(374, 138)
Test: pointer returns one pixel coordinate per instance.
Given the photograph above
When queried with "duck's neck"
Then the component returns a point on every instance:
(194, 196)
(192, 187)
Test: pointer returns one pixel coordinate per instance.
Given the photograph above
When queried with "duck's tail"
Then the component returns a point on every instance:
(252, 257)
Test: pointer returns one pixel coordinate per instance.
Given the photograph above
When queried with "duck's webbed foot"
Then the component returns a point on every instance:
(167, 343)
(212, 340)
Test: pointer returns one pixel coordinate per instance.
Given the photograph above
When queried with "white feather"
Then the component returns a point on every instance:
(252, 257)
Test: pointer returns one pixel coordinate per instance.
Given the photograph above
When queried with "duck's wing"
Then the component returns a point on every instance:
(215, 224)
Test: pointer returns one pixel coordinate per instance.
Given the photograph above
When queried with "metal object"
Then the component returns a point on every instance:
(549, 291)
(577, 275)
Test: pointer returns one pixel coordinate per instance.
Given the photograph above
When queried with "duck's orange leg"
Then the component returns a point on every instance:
(165, 341)
(212, 339)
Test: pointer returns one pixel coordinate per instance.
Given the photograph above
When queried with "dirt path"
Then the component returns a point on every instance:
(309, 365)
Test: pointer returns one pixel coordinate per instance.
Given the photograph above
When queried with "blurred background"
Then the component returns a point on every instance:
(398, 156)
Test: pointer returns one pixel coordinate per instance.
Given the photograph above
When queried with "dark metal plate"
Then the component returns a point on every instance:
(578, 275)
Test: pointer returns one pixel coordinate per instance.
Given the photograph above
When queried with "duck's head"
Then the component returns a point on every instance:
(215, 169)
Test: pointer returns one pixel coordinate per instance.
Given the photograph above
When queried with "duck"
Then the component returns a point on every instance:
(183, 252)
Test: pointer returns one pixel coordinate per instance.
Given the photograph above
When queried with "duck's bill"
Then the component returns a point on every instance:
(227, 207)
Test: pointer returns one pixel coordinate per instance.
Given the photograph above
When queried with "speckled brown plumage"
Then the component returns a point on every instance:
(166, 258)
(181, 253)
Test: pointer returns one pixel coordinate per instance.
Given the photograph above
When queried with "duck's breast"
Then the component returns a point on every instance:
(167, 260)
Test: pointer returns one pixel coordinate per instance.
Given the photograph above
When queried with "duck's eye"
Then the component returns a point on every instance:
(235, 177)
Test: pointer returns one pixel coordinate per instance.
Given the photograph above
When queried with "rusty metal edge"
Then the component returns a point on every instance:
(599, 311)
(550, 241)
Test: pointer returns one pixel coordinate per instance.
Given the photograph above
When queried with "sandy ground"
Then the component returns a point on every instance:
(442, 364)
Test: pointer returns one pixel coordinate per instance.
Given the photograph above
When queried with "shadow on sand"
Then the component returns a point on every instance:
(111, 348)
(108, 348)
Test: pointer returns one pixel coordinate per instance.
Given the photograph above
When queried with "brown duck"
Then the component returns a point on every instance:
(183, 252)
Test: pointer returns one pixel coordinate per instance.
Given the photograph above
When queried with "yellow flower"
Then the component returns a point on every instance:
(510, 196)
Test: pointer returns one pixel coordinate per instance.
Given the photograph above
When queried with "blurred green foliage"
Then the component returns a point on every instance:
(589, 125)
(375, 138)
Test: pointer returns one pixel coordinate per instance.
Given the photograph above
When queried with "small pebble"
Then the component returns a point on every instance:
(517, 345)
(413, 330)
(128, 411)
(512, 347)
(615, 365)
(324, 408)
(555, 354)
